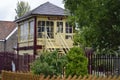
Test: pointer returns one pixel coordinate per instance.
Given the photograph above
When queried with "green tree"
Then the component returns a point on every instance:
(98, 21)
(77, 62)
(49, 64)
(22, 8)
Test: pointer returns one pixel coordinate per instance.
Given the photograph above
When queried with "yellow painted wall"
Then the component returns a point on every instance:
(41, 41)
(56, 40)
(22, 52)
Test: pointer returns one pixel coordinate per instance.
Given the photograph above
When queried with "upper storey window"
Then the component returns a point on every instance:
(68, 28)
(60, 27)
(26, 30)
(49, 25)
(31, 29)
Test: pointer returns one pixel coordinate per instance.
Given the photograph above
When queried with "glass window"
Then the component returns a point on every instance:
(26, 29)
(21, 32)
(60, 27)
(68, 28)
(49, 27)
(31, 29)
(41, 26)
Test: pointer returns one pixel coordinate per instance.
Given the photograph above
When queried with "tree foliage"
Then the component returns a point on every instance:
(99, 23)
(49, 64)
(77, 62)
(22, 8)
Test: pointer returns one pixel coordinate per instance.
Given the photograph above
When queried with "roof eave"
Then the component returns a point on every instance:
(24, 18)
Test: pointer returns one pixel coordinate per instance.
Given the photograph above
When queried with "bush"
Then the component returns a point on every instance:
(49, 64)
(77, 62)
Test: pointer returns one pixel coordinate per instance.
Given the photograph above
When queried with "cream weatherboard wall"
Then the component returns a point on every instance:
(56, 41)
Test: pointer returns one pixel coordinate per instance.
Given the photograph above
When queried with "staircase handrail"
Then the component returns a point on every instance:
(50, 42)
(64, 42)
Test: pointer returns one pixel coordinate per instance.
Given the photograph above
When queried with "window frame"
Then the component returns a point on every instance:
(68, 28)
(41, 28)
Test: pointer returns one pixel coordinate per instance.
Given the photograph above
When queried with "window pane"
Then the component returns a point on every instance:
(47, 23)
(43, 29)
(31, 29)
(26, 29)
(68, 28)
(39, 29)
(60, 27)
(39, 23)
(43, 23)
(21, 32)
(51, 23)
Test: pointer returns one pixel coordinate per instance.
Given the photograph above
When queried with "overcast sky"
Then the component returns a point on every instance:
(7, 7)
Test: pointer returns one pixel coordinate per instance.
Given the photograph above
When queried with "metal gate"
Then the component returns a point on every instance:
(104, 64)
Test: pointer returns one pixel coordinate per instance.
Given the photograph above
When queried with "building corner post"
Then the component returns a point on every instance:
(35, 37)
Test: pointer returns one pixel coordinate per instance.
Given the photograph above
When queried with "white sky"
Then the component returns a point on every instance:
(7, 7)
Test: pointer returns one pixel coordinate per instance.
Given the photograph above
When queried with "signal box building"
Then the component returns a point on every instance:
(44, 29)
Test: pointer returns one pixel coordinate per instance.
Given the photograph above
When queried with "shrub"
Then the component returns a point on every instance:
(49, 64)
(77, 62)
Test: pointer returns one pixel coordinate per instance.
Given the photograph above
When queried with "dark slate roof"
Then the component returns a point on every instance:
(49, 9)
(6, 27)
(46, 9)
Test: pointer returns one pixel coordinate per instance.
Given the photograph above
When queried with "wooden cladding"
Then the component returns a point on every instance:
(55, 18)
(29, 47)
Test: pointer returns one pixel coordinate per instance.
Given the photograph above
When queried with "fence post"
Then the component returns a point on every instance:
(89, 52)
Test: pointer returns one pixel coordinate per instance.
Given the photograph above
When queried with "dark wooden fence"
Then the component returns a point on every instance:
(21, 62)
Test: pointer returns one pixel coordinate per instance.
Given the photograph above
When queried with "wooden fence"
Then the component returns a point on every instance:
(28, 76)
(21, 61)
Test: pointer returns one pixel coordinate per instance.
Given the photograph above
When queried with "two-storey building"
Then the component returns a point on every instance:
(45, 28)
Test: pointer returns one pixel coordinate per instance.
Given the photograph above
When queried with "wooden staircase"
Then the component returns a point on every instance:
(63, 47)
